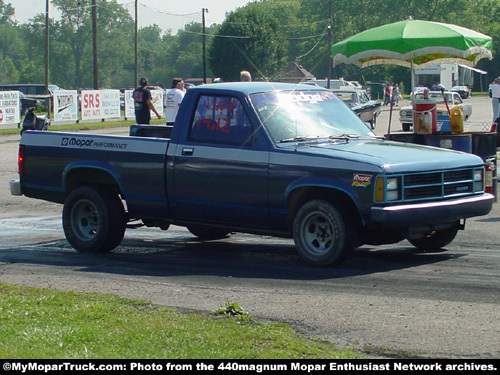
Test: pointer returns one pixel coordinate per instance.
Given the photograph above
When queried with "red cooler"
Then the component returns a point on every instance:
(424, 116)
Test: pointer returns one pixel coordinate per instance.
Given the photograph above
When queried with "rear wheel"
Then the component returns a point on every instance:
(436, 240)
(323, 234)
(94, 219)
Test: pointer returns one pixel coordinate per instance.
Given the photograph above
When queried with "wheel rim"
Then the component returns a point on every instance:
(317, 233)
(85, 220)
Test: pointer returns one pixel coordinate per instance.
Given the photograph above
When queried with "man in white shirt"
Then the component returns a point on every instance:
(173, 100)
(495, 97)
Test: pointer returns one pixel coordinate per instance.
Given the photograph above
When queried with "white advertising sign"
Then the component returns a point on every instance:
(65, 105)
(129, 104)
(100, 104)
(10, 107)
(156, 98)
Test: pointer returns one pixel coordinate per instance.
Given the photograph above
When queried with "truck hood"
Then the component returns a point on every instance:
(391, 156)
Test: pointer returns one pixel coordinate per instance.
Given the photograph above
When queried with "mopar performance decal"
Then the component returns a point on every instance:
(361, 180)
(90, 143)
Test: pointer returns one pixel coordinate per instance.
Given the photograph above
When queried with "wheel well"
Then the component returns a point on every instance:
(90, 176)
(340, 199)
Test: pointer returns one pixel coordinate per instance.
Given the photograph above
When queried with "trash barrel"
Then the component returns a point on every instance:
(457, 142)
(424, 116)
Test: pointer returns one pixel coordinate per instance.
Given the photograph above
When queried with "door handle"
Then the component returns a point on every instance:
(187, 151)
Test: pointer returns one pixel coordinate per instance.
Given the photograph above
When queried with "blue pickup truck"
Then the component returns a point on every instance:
(265, 158)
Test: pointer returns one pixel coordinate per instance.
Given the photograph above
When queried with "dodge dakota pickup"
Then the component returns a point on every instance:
(265, 158)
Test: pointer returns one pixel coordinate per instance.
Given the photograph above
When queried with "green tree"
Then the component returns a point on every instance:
(71, 64)
(249, 39)
(10, 44)
(8, 72)
(6, 13)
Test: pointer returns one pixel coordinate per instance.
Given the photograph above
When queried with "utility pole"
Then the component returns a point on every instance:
(94, 42)
(203, 11)
(47, 22)
(330, 61)
(136, 71)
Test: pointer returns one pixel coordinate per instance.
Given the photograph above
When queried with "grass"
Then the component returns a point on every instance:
(49, 324)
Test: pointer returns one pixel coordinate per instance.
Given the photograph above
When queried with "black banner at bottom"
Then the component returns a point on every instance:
(258, 366)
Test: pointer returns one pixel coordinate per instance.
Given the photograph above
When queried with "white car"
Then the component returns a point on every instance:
(452, 98)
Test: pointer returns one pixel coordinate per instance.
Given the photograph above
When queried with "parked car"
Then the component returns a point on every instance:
(453, 99)
(30, 89)
(360, 103)
(356, 85)
(334, 83)
(463, 91)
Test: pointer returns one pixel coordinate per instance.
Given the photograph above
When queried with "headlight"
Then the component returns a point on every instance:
(402, 113)
(388, 189)
(478, 180)
(392, 187)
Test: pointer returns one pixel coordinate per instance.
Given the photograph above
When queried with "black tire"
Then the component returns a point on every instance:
(436, 240)
(94, 219)
(373, 122)
(323, 234)
(208, 233)
(406, 126)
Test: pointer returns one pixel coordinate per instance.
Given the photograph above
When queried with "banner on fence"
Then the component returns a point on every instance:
(65, 105)
(10, 107)
(156, 99)
(100, 104)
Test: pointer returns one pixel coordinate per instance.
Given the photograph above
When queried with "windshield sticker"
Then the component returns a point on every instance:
(305, 97)
(361, 180)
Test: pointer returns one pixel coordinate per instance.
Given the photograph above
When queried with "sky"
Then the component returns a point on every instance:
(167, 14)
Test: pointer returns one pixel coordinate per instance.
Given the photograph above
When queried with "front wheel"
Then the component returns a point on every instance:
(94, 219)
(322, 233)
(436, 240)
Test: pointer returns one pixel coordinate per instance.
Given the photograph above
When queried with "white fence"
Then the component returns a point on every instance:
(70, 106)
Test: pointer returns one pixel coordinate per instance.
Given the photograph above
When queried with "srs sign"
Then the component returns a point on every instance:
(100, 104)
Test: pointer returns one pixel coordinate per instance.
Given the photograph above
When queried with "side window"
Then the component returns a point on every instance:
(220, 119)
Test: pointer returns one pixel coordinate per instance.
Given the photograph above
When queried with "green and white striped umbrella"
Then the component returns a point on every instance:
(413, 43)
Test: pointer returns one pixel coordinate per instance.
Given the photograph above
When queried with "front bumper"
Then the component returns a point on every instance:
(406, 119)
(410, 215)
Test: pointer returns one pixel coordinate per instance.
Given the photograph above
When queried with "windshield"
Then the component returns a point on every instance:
(290, 115)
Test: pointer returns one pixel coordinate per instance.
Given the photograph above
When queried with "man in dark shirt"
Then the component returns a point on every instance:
(143, 103)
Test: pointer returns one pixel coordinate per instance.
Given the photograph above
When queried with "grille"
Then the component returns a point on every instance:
(437, 185)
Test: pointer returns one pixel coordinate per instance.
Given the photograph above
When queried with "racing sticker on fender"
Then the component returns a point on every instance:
(362, 180)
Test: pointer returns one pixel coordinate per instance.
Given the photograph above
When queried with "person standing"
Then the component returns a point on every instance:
(387, 94)
(397, 94)
(494, 90)
(143, 104)
(245, 76)
(173, 100)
